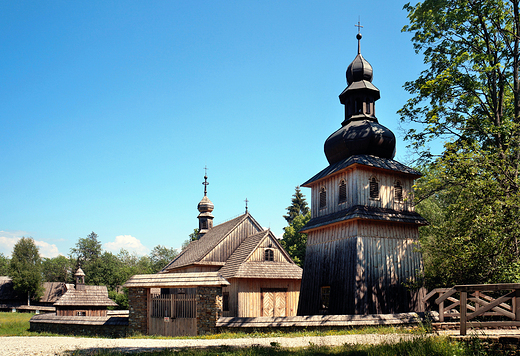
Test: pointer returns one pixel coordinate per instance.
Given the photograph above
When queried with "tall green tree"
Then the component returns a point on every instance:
(298, 214)
(160, 256)
(468, 97)
(25, 269)
(57, 269)
(295, 242)
(298, 206)
(4, 265)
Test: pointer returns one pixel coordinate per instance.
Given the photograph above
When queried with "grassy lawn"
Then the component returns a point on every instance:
(424, 346)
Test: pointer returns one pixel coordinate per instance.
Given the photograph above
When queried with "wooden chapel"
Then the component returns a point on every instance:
(362, 237)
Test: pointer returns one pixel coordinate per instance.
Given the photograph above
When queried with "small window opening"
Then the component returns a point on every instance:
(225, 301)
(342, 191)
(325, 297)
(269, 255)
(81, 313)
(323, 197)
(368, 102)
(359, 106)
(398, 191)
(374, 188)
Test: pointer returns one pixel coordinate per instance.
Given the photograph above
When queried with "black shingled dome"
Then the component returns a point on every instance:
(361, 134)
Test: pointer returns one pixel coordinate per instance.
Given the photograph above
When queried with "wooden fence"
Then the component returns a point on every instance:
(472, 302)
(173, 314)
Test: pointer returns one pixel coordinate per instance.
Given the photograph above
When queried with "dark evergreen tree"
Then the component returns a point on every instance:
(298, 206)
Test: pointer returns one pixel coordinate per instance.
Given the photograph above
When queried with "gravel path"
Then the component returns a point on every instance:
(31, 345)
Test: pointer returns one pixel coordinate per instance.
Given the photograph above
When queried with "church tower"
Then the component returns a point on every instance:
(205, 208)
(362, 237)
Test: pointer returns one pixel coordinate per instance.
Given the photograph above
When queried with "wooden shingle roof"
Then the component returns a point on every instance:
(90, 296)
(6, 289)
(237, 265)
(52, 291)
(177, 280)
(365, 160)
(198, 249)
(365, 212)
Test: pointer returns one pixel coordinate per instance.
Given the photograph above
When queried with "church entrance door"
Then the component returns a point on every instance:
(274, 302)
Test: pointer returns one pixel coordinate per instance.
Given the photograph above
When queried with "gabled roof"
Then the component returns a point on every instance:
(177, 280)
(198, 249)
(365, 212)
(90, 296)
(52, 291)
(365, 160)
(6, 289)
(237, 265)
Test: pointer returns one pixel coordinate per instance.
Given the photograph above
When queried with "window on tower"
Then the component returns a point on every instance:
(342, 191)
(323, 198)
(398, 191)
(374, 188)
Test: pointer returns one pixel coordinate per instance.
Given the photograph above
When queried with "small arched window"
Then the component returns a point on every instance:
(269, 255)
(342, 191)
(398, 191)
(374, 188)
(323, 197)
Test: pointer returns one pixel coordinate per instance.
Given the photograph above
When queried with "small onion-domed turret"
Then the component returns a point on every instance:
(360, 134)
(205, 208)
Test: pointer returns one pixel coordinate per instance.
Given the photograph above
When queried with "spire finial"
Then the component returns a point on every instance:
(247, 201)
(359, 36)
(205, 183)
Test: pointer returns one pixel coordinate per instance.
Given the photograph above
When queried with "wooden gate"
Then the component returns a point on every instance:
(173, 314)
(274, 302)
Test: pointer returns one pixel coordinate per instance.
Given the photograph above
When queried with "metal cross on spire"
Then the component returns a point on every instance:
(247, 201)
(359, 36)
(205, 183)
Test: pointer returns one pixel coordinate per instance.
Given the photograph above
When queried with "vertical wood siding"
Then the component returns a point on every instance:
(259, 254)
(358, 192)
(245, 298)
(366, 264)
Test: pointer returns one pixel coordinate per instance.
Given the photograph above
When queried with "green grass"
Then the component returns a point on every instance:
(422, 346)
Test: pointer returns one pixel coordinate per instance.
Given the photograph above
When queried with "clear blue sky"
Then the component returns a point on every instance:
(110, 110)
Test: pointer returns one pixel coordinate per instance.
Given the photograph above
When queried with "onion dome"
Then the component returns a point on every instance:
(205, 208)
(360, 134)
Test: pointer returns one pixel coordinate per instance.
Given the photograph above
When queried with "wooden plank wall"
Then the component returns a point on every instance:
(259, 254)
(245, 295)
(358, 191)
(365, 264)
(173, 327)
(226, 247)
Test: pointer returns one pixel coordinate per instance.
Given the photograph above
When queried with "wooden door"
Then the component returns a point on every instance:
(173, 315)
(274, 302)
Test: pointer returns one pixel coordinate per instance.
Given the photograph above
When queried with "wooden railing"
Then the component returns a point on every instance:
(474, 302)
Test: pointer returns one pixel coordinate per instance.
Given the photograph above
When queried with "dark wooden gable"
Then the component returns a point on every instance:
(217, 245)
(249, 260)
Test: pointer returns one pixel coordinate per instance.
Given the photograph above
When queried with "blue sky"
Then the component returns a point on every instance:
(110, 110)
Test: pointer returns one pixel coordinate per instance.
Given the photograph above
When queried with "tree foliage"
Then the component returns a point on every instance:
(295, 242)
(469, 97)
(57, 269)
(298, 206)
(161, 256)
(298, 214)
(4, 265)
(25, 269)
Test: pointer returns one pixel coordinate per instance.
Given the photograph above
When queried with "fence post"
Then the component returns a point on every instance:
(463, 311)
(516, 304)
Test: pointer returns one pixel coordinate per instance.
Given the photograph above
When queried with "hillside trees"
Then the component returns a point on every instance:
(25, 269)
(469, 97)
(298, 214)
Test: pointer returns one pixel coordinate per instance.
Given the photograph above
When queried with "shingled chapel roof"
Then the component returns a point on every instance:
(198, 249)
(237, 265)
(90, 296)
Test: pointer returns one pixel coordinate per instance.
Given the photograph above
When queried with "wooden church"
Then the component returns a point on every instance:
(263, 279)
(362, 237)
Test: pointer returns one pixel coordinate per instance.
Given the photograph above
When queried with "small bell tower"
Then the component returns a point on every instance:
(205, 208)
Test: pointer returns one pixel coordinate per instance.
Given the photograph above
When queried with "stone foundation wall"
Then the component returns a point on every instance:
(209, 309)
(113, 327)
(138, 310)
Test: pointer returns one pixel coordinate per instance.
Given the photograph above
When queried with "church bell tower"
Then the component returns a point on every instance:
(362, 237)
